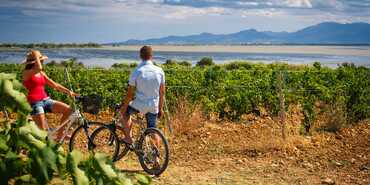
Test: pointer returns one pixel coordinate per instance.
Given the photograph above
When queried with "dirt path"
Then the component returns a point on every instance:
(252, 152)
(233, 153)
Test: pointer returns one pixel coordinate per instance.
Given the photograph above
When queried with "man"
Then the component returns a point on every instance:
(147, 81)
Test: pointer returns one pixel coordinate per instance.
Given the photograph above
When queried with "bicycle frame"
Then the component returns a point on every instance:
(75, 117)
(117, 119)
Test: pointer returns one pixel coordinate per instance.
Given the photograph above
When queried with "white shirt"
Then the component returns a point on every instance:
(147, 78)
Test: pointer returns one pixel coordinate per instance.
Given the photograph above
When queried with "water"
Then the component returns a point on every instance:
(105, 57)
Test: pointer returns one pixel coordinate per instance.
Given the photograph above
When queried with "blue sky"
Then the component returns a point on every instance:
(104, 21)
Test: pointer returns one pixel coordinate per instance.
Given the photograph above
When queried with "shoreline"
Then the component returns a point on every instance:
(259, 49)
(340, 50)
(344, 50)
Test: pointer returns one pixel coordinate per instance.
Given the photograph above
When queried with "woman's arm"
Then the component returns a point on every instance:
(38, 65)
(36, 69)
(57, 86)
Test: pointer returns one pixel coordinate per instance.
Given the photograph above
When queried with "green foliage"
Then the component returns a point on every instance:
(121, 66)
(205, 61)
(234, 89)
(133, 65)
(27, 157)
(170, 62)
(184, 63)
(9, 93)
(317, 65)
(238, 65)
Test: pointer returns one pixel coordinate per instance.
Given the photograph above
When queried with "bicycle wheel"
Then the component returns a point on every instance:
(124, 149)
(152, 151)
(106, 141)
(80, 137)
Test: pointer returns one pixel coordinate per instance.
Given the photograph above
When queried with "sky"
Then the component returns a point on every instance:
(104, 21)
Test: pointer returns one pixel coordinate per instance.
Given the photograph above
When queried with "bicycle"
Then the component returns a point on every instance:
(150, 156)
(80, 137)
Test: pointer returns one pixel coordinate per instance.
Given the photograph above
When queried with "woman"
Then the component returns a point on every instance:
(34, 79)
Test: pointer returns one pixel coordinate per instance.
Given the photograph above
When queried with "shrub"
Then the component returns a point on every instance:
(120, 66)
(185, 63)
(206, 61)
(133, 65)
(317, 65)
(238, 65)
(170, 62)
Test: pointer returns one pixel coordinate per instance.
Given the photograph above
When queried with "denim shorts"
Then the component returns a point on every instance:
(151, 118)
(42, 107)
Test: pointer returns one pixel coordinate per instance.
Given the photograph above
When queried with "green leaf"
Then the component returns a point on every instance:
(29, 139)
(106, 168)
(39, 169)
(25, 179)
(17, 97)
(79, 177)
(143, 179)
(3, 146)
(34, 130)
(50, 158)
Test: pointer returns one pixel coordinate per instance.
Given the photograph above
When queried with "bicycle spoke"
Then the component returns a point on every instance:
(106, 142)
(79, 139)
(153, 153)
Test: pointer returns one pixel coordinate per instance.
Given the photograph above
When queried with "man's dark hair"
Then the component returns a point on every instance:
(146, 53)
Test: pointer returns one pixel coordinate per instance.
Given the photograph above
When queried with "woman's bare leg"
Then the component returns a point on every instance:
(61, 108)
(40, 121)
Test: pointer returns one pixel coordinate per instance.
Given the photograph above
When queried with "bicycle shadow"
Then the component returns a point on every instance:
(141, 172)
(131, 171)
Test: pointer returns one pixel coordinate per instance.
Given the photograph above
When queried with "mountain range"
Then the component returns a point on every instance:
(323, 33)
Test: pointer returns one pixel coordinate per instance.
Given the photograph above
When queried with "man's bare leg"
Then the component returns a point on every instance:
(127, 126)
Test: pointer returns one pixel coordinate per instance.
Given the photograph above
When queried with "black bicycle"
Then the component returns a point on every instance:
(81, 135)
(150, 145)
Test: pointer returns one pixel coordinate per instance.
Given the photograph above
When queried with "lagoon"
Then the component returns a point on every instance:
(107, 55)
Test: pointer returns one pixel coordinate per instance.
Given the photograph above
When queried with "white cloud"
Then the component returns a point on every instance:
(270, 12)
(125, 19)
(299, 3)
(186, 12)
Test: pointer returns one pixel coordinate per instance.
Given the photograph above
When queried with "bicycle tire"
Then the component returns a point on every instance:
(163, 167)
(111, 140)
(79, 140)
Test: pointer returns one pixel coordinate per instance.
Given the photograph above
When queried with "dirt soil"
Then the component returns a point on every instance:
(230, 153)
(252, 151)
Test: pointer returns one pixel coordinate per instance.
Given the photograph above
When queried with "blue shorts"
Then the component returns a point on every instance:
(151, 118)
(42, 107)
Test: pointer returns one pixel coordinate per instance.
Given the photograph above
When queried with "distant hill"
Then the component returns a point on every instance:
(324, 33)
